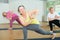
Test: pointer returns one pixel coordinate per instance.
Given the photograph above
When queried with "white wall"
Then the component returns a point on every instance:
(29, 4)
(3, 7)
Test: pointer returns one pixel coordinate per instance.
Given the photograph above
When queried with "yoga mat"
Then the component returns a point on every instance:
(57, 38)
(55, 31)
(12, 28)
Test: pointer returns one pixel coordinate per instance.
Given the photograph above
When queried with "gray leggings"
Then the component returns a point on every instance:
(34, 27)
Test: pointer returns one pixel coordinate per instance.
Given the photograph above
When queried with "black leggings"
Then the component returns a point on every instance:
(56, 22)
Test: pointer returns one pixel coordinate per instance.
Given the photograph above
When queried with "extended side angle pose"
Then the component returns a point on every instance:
(11, 17)
(29, 22)
(53, 18)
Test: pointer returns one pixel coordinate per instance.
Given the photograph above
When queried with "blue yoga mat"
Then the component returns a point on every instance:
(55, 31)
(12, 28)
(58, 38)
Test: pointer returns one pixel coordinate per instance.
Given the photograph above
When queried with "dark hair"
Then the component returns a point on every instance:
(50, 8)
(3, 14)
(21, 6)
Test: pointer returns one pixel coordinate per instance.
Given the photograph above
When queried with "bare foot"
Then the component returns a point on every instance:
(53, 36)
(10, 28)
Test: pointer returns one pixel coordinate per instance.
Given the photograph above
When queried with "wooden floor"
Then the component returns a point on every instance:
(18, 34)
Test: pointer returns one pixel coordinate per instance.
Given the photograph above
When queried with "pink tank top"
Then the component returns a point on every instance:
(10, 14)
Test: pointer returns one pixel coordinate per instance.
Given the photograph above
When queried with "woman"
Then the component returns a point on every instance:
(30, 23)
(53, 18)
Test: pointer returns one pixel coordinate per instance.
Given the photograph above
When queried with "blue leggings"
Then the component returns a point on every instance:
(36, 28)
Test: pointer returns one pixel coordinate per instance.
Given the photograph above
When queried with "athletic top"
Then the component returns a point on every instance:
(33, 21)
(9, 14)
(27, 19)
(52, 15)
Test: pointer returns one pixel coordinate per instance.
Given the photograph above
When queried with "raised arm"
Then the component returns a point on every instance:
(33, 13)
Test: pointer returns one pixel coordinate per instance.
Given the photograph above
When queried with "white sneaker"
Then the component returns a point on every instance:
(51, 31)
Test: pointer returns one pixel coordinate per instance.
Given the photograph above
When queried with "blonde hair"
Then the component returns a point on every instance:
(50, 8)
